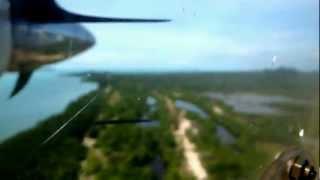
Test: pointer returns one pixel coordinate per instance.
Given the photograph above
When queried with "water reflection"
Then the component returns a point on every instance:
(150, 124)
(158, 168)
(252, 103)
(152, 104)
(225, 136)
(187, 106)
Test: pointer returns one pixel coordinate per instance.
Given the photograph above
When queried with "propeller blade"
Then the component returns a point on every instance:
(21, 83)
(48, 11)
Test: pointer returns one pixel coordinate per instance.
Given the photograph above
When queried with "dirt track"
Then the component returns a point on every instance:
(191, 155)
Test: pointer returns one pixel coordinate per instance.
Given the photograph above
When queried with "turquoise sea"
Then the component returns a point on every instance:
(46, 94)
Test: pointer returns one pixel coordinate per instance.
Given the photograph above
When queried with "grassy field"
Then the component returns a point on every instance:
(151, 151)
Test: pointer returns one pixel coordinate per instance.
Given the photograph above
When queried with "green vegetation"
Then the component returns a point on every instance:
(235, 161)
(135, 151)
(151, 151)
(302, 85)
(23, 156)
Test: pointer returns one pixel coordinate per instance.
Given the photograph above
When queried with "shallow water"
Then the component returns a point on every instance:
(46, 94)
(151, 124)
(224, 135)
(152, 104)
(251, 103)
(158, 167)
(187, 106)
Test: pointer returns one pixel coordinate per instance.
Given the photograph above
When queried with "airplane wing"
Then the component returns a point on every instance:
(48, 11)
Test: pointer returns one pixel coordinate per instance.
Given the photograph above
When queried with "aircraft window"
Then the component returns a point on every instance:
(159, 89)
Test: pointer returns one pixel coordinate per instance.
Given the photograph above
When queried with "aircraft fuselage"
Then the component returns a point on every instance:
(34, 45)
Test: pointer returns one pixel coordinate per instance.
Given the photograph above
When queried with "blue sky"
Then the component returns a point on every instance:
(204, 35)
